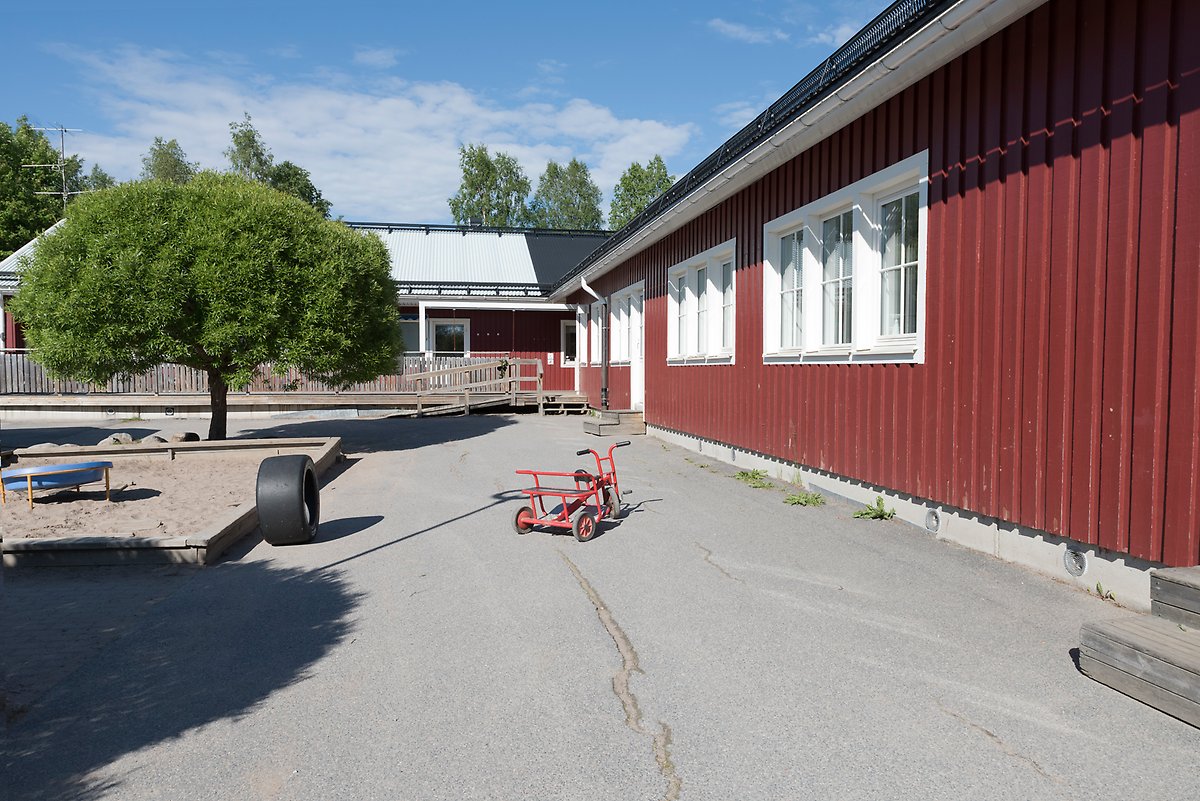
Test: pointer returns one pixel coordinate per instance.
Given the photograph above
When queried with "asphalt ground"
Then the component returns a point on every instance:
(712, 644)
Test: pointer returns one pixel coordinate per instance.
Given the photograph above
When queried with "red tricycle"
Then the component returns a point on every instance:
(594, 497)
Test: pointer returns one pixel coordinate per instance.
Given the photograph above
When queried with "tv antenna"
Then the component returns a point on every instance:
(61, 166)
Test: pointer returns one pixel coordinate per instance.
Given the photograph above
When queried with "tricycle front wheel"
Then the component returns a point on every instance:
(583, 526)
(523, 520)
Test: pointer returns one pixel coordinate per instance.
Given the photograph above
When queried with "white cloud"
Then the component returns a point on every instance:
(834, 35)
(735, 114)
(379, 58)
(744, 33)
(379, 149)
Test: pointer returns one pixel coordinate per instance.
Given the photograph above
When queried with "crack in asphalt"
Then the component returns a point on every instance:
(999, 742)
(661, 740)
(708, 558)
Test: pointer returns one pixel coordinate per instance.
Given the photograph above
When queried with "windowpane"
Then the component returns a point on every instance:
(449, 339)
(910, 299)
(889, 244)
(792, 293)
(910, 228)
(678, 294)
(702, 310)
(568, 341)
(727, 305)
(837, 256)
(898, 252)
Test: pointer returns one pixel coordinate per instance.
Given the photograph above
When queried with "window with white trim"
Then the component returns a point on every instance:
(727, 306)
(568, 338)
(625, 321)
(701, 307)
(844, 276)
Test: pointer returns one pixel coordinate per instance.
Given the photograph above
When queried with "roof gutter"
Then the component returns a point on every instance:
(960, 27)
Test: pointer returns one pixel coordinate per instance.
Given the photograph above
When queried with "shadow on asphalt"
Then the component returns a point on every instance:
(498, 498)
(344, 527)
(389, 433)
(233, 637)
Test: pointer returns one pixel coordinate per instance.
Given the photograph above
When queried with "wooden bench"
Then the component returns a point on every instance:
(54, 476)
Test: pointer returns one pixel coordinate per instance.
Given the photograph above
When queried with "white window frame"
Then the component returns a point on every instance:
(569, 358)
(865, 200)
(621, 325)
(433, 322)
(698, 346)
(594, 329)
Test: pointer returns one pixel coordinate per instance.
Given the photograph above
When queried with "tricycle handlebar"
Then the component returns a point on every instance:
(583, 452)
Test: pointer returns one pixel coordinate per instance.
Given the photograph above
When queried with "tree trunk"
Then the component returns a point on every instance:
(218, 398)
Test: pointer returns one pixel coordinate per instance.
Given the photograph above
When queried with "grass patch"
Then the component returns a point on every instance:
(754, 478)
(805, 498)
(875, 511)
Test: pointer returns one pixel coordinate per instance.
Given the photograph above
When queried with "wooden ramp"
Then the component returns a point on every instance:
(1154, 658)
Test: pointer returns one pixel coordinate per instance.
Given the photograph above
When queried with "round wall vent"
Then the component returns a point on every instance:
(933, 521)
(1075, 561)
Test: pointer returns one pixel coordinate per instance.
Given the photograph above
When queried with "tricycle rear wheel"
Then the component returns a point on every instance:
(523, 520)
(613, 502)
(583, 526)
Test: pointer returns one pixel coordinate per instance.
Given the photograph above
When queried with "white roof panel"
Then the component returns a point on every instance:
(483, 257)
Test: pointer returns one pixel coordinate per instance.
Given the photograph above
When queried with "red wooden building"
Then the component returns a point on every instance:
(959, 263)
(471, 290)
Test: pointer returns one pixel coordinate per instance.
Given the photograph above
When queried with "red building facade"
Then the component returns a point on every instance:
(1055, 377)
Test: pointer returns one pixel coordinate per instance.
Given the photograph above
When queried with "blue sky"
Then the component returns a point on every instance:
(375, 98)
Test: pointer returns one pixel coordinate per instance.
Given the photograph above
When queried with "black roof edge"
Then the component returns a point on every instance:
(877, 36)
(485, 229)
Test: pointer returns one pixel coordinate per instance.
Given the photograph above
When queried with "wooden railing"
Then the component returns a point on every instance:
(489, 373)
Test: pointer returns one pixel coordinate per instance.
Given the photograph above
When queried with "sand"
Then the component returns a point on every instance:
(151, 497)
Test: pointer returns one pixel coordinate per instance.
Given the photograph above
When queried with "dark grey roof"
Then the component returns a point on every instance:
(880, 35)
(555, 253)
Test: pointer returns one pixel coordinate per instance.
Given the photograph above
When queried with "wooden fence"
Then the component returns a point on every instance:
(480, 373)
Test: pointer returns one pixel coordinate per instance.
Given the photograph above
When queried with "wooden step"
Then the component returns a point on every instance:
(564, 404)
(611, 423)
(1154, 660)
(1175, 595)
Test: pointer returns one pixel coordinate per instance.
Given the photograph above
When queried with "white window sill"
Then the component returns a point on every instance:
(684, 361)
(882, 353)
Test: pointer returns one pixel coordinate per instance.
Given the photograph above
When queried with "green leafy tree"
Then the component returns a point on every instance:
(567, 197)
(98, 179)
(166, 161)
(493, 189)
(23, 213)
(220, 274)
(250, 157)
(636, 189)
(295, 181)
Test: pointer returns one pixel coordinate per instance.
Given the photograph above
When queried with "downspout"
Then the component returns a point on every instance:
(603, 341)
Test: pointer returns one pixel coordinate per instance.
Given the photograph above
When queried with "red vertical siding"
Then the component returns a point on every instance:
(523, 333)
(1061, 383)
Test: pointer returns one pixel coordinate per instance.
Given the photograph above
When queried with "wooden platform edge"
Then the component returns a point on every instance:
(1139, 689)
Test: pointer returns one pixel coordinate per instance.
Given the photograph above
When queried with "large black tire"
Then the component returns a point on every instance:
(289, 500)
